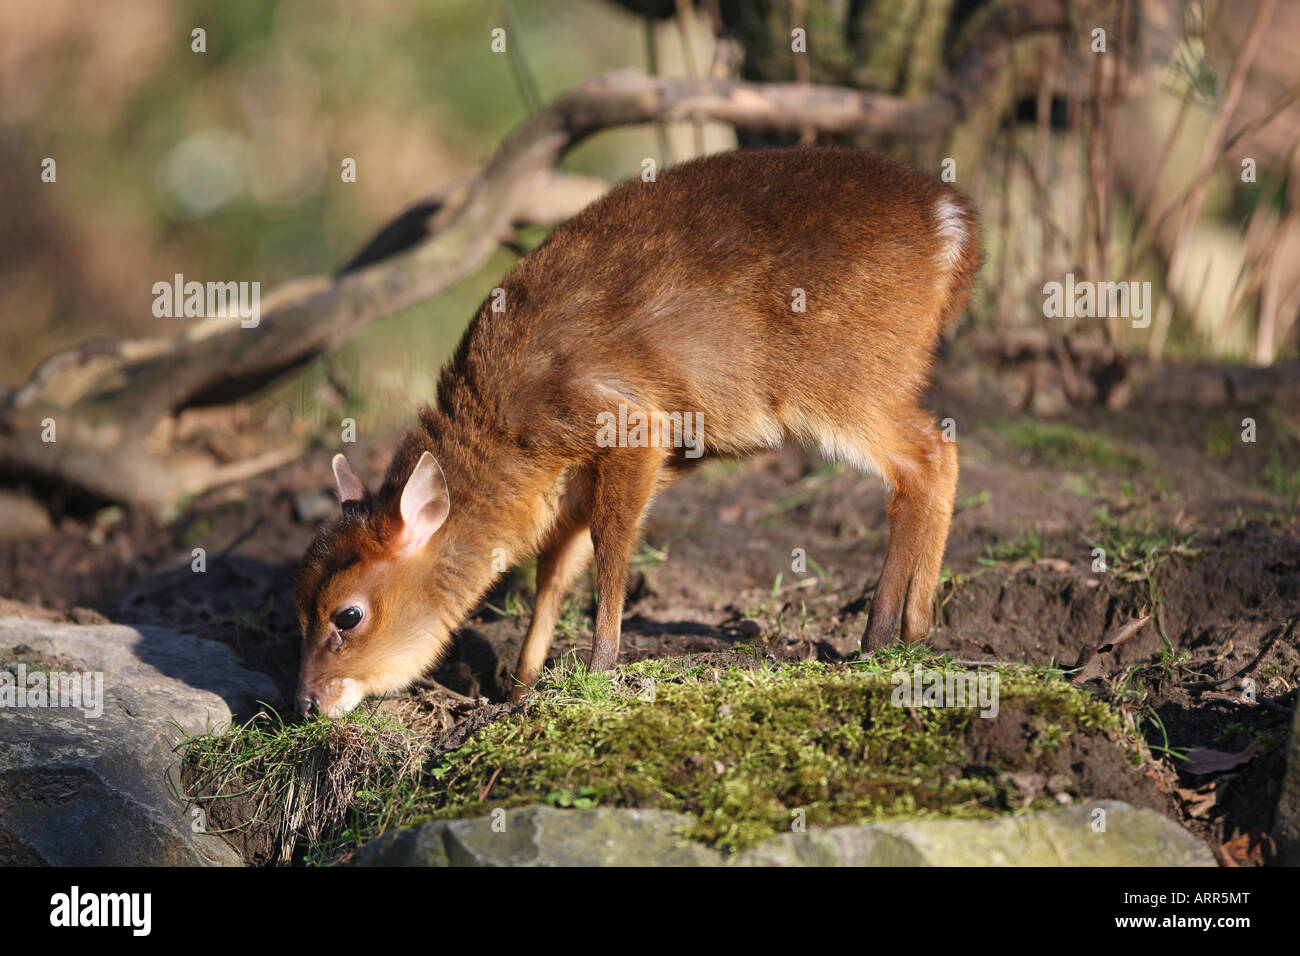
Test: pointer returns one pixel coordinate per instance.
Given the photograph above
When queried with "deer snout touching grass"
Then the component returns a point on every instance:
(738, 303)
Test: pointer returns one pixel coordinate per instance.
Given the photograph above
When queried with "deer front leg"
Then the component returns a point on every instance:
(625, 481)
(557, 569)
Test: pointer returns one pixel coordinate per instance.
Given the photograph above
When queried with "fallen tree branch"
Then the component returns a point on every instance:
(124, 389)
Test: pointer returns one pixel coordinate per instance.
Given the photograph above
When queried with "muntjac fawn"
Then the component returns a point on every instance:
(738, 302)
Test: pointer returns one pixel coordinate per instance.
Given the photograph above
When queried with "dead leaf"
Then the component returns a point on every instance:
(1249, 848)
(1090, 662)
(1122, 634)
(1203, 760)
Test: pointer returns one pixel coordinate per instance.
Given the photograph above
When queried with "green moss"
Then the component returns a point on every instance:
(740, 747)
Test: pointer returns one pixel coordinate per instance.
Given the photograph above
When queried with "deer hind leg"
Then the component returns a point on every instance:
(557, 568)
(921, 471)
(919, 611)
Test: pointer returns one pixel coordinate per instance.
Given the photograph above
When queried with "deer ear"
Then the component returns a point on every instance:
(425, 503)
(350, 486)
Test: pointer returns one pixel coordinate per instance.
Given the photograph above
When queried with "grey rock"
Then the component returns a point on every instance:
(78, 788)
(545, 836)
(1060, 837)
(866, 845)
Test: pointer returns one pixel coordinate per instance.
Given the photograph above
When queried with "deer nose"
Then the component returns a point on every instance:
(307, 706)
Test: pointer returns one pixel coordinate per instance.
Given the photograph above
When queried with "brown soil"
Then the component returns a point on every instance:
(729, 531)
(1084, 766)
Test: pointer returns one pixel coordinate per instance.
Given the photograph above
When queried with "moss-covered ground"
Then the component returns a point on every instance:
(743, 745)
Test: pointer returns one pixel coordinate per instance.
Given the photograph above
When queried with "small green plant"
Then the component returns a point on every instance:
(581, 799)
(515, 606)
(1164, 748)
(1172, 659)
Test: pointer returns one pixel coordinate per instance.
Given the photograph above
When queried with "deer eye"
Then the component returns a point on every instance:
(348, 618)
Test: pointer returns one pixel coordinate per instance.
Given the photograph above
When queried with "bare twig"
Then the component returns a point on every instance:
(1263, 649)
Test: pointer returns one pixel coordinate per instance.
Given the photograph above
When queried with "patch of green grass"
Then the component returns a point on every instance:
(801, 624)
(1026, 547)
(570, 682)
(738, 748)
(1065, 446)
(1135, 550)
(1281, 479)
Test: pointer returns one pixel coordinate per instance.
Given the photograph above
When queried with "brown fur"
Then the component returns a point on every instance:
(672, 296)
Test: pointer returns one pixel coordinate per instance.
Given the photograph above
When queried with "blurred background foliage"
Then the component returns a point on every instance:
(225, 165)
